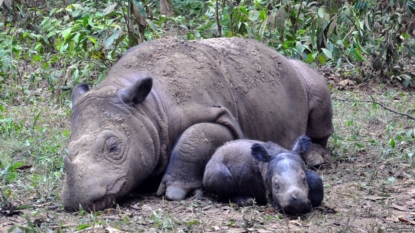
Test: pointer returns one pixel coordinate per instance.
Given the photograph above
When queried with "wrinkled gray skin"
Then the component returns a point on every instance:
(244, 169)
(166, 105)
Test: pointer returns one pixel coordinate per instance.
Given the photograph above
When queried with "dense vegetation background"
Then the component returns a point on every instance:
(47, 47)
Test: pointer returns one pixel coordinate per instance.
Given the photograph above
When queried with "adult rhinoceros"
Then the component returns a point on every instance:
(166, 105)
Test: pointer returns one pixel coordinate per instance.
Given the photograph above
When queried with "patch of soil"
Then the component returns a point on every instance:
(358, 198)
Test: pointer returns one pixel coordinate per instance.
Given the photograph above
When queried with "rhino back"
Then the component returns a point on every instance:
(257, 85)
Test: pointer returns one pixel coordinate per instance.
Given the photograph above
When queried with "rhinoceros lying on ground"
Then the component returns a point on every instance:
(166, 105)
(244, 169)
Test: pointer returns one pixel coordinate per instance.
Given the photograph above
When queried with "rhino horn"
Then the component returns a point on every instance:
(137, 92)
(78, 91)
(68, 165)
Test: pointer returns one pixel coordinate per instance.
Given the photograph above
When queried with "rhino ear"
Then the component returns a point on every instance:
(78, 91)
(137, 92)
(259, 152)
(302, 145)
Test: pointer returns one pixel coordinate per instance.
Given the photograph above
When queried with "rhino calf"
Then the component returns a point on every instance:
(245, 169)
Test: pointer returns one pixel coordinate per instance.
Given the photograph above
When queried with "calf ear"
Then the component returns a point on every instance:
(315, 188)
(137, 92)
(302, 145)
(259, 152)
(78, 91)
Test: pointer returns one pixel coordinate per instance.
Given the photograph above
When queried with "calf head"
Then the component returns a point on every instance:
(107, 157)
(286, 178)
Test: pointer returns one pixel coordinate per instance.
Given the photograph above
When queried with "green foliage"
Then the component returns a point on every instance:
(78, 42)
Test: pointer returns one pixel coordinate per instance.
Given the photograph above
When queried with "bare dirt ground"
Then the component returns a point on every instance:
(369, 187)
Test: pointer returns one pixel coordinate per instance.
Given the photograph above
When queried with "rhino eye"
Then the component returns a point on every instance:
(276, 184)
(112, 145)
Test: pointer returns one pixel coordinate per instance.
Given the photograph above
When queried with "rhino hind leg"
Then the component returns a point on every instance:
(218, 180)
(187, 163)
(316, 188)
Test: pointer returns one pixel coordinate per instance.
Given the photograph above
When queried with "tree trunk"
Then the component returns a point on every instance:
(166, 8)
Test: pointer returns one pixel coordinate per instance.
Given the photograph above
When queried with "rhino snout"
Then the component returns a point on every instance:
(85, 187)
(295, 202)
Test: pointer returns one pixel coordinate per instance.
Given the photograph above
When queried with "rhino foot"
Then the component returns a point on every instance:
(175, 193)
(317, 155)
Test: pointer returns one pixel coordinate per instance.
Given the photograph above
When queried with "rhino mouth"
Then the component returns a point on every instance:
(103, 203)
(113, 190)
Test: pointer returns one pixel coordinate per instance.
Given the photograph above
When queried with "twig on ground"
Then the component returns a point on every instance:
(375, 102)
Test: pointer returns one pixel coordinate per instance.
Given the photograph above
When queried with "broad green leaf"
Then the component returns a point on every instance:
(65, 34)
(321, 12)
(92, 39)
(392, 143)
(63, 47)
(109, 9)
(263, 14)
(310, 58)
(253, 15)
(82, 227)
(16, 165)
(36, 58)
(243, 10)
(327, 53)
(76, 38)
(333, 25)
(322, 59)
(300, 47)
(152, 25)
(356, 54)
(111, 39)
(50, 34)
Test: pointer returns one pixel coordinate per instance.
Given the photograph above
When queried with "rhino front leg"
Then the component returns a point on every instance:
(189, 158)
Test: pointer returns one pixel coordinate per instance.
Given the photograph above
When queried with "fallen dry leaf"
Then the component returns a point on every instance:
(136, 206)
(269, 210)
(24, 167)
(347, 82)
(364, 165)
(296, 223)
(404, 219)
(399, 207)
(412, 192)
(262, 231)
(410, 204)
(375, 198)
(112, 230)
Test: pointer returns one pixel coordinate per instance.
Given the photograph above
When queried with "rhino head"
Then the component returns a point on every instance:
(286, 179)
(113, 144)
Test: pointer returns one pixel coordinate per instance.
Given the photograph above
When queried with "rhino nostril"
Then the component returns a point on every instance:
(294, 195)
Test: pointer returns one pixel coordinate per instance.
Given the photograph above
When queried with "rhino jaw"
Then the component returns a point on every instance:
(85, 187)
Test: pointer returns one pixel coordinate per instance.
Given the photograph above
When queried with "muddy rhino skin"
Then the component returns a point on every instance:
(166, 105)
(242, 170)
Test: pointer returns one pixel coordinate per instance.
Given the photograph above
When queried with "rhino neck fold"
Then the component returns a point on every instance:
(156, 113)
